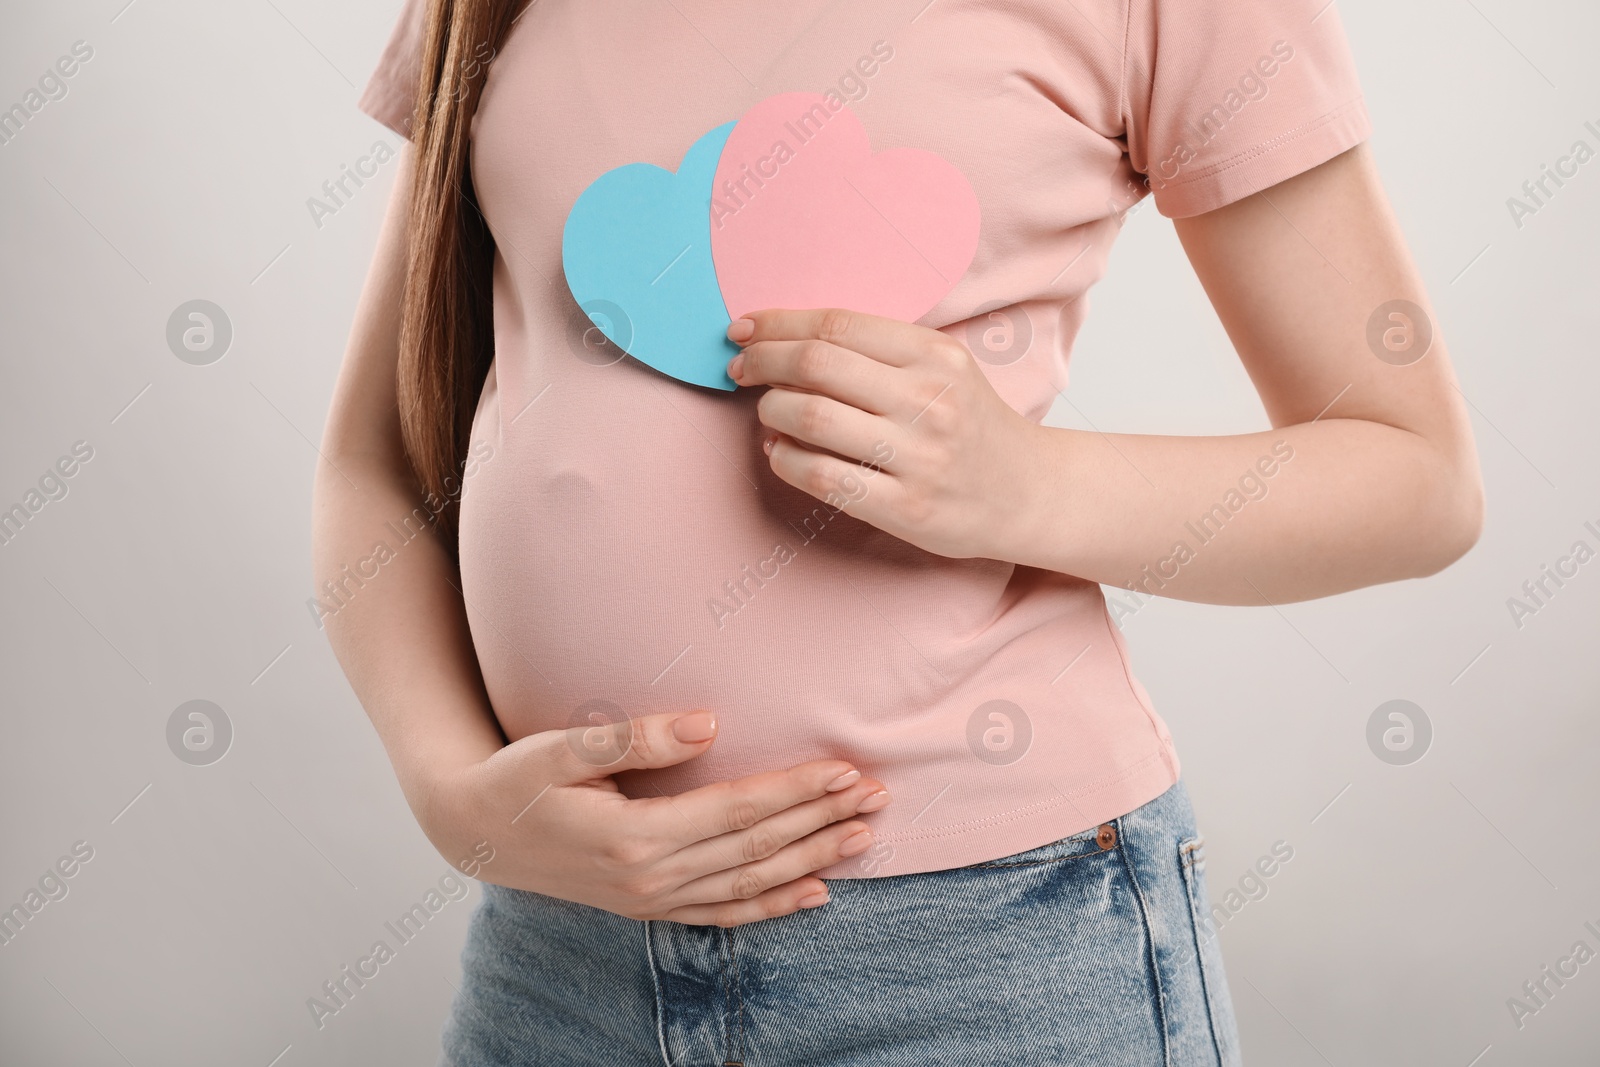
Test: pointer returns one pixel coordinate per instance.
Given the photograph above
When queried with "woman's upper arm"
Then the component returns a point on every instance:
(364, 418)
(1304, 275)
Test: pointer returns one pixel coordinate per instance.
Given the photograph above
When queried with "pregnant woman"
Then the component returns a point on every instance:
(787, 723)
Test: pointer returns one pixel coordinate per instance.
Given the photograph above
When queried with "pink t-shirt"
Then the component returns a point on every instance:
(627, 548)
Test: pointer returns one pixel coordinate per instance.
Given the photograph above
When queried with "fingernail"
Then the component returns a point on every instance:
(856, 843)
(874, 802)
(852, 775)
(696, 726)
(766, 445)
(815, 900)
(741, 329)
(736, 366)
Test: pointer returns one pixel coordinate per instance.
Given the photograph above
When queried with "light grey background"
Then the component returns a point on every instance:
(220, 897)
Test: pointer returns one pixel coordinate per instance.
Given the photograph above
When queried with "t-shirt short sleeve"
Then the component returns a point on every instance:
(1227, 97)
(391, 93)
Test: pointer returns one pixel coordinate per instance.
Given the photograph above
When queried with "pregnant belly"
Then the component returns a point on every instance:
(645, 559)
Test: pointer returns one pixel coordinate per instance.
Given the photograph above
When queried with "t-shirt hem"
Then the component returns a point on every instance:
(996, 836)
(1292, 152)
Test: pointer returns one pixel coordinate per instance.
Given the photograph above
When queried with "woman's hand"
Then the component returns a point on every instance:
(950, 458)
(722, 855)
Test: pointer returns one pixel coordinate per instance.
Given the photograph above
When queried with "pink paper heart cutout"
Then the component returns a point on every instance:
(803, 215)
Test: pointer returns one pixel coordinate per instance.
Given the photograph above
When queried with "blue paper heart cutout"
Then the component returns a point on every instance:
(636, 251)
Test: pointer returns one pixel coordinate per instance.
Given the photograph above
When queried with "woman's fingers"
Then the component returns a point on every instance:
(819, 367)
(603, 747)
(725, 853)
(888, 341)
(767, 837)
(748, 881)
(726, 807)
(782, 900)
(824, 422)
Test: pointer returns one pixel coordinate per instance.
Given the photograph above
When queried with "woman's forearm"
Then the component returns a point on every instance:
(396, 621)
(1371, 475)
(1289, 514)
(385, 588)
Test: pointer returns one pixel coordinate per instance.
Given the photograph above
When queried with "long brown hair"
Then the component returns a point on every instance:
(447, 318)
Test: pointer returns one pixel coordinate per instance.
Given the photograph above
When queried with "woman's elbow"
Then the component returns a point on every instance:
(1460, 516)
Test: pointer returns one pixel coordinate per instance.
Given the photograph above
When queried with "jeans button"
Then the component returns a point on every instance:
(1107, 837)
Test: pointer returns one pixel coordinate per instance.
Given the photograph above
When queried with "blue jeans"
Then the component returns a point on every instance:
(1083, 951)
